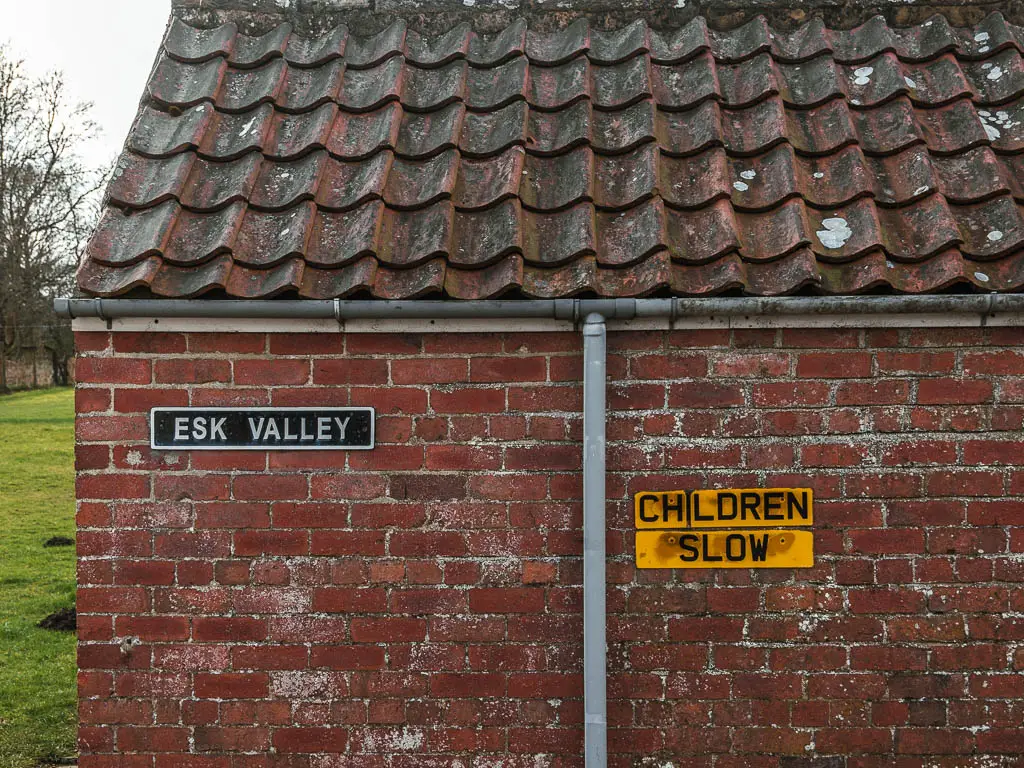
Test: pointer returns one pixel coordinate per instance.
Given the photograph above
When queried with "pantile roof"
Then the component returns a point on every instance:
(580, 162)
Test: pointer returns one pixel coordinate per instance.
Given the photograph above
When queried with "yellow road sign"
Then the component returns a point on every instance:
(732, 508)
(725, 549)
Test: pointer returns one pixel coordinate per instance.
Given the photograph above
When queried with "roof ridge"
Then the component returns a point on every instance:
(189, 43)
(437, 17)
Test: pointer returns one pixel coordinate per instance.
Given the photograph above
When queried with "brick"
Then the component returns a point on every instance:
(248, 543)
(430, 371)
(887, 542)
(310, 740)
(306, 397)
(888, 658)
(144, 572)
(508, 369)
(113, 486)
(462, 457)
(110, 428)
(705, 394)
(388, 630)
(310, 515)
(193, 487)
(886, 600)
(888, 485)
(89, 457)
(544, 457)
(91, 400)
(463, 343)
(427, 543)
(232, 515)
(508, 487)
(231, 739)
(159, 739)
(704, 457)
(350, 371)
(994, 452)
(389, 458)
(122, 543)
(873, 392)
(98, 370)
(744, 364)
(141, 400)
(468, 400)
(347, 657)
(227, 343)
(269, 657)
(158, 343)
(342, 543)
(916, 362)
(1005, 362)
(276, 487)
(821, 338)
(545, 399)
(192, 371)
(853, 741)
(973, 657)
(348, 600)
(347, 486)
(833, 455)
(733, 600)
(809, 658)
(964, 483)
(188, 545)
(467, 685)
(833, 365)
(797, 422)
(271, 372)
(506, 600)
(233, 629)
(428, 487)
(777, 741)
(936, 629)
(954, 391)
(153, 628)
(788, 395)
(431, 601)
(989, 686)
(303, 344)
(235, 397)
(91, 341)
(386, 515)
(383, 344)
(1001, 512)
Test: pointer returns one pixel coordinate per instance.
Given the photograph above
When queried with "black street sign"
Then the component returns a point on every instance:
(261, 429)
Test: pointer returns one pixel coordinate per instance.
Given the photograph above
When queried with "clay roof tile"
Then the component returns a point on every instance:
(572, 162)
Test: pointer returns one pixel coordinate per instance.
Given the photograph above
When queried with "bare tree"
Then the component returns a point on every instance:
(48, 205)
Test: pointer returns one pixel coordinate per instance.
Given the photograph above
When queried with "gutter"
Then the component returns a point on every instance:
(575, 310)
(592, 313)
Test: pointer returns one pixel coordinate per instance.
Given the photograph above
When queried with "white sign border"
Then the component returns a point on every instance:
(263, 409)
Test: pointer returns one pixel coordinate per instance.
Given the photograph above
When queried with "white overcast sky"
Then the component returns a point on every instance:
(104, 47)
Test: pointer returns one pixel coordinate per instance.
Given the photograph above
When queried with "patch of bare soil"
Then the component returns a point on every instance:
(64, 620)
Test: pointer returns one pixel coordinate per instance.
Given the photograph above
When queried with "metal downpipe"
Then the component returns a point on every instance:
(595, 696)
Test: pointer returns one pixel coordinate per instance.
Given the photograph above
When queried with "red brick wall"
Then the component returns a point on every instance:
(425, 598)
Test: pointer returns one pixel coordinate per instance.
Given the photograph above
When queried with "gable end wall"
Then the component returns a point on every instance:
(420, 605)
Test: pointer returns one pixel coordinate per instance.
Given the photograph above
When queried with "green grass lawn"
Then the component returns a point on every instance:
(37, 666)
